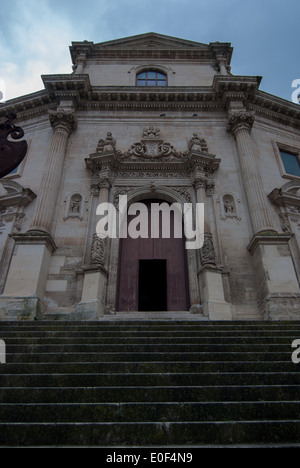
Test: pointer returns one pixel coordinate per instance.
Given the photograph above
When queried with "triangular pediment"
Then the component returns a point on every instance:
(151, 45)
(151, 41)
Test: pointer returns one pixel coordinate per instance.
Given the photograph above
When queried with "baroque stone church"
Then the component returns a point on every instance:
(155, 118)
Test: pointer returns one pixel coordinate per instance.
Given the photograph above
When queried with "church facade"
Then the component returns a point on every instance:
(152, 119)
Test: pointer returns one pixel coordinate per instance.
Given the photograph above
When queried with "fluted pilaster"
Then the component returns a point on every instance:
(240, 124)
(63, 124)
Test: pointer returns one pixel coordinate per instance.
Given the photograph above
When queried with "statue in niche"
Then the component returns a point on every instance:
(229, 205)
(75, 204)
(74, 207)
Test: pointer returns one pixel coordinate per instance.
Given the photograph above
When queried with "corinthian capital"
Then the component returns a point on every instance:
(63, 119)
(240, 120)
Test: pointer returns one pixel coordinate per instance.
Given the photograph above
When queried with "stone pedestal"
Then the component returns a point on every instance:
(27, 276)
(277, 281)
(214, 305)
(91, 306)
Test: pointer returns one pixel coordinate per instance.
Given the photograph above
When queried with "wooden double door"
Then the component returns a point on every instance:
(153, 271)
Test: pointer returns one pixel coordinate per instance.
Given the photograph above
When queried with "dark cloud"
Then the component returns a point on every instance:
(262, 32)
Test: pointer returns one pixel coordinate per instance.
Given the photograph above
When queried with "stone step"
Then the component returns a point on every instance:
(140, 383)
(262, 340)
(87, 333)
(150, 433)
(148, 367)
(34, 357)
(149, 412)
(146, 379)
(148, 325)
(148, 348)
(124, 394)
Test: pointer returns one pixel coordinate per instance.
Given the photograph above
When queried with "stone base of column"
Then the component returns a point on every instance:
(25, 283)
(91, 306)
(213, 304)
(280, 307)
(20, 308)
(278, 286)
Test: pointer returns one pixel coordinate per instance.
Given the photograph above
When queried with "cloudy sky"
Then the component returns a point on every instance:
(35, 35)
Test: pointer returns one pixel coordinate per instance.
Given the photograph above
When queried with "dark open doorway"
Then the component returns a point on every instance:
(152, 285)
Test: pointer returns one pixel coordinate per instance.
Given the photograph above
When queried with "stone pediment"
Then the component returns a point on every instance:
(151, 40)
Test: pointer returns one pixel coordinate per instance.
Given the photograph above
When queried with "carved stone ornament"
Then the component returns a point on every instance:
(63, 120)
(208, 256)
(184, 192)
(98, 250)
(107, 144)
(152, 147)
(198, 144)
(285, 224)
(11, 153)
(118, 192)
(240, 120)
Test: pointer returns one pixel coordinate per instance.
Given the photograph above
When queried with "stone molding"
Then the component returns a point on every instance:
(268, 238)
(217, 97)
(35, 238)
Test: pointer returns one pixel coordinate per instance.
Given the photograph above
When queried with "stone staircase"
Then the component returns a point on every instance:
(147, 384)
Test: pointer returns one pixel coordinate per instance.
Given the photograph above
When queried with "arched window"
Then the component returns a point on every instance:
(151, 78)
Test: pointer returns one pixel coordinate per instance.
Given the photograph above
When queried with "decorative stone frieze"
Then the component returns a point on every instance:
(120, 191)
(98, 250)
(184, 192)
(207, 253)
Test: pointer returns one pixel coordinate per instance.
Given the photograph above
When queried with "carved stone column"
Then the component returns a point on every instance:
(28, 272)
(210, 276)
(92, 304)
(63, 124)
(271, 252)
(240, 124)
